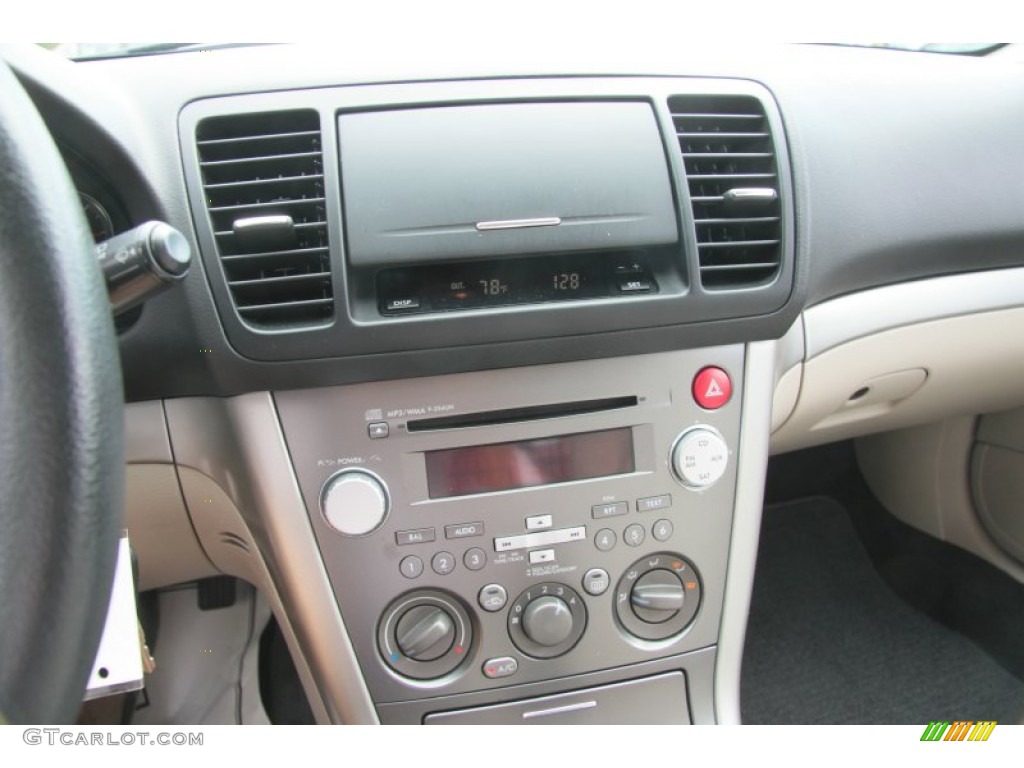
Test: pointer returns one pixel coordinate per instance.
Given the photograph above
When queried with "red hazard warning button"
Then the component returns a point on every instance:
(712, 388)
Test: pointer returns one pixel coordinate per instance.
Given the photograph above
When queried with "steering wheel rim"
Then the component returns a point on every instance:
(61, 412)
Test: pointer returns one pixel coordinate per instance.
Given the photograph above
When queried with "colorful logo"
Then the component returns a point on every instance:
(960, 730)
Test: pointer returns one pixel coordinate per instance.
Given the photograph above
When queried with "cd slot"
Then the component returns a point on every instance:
(515, 415)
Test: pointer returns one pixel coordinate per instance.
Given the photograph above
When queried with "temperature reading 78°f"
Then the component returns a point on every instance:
(567, 281)
(494, 287)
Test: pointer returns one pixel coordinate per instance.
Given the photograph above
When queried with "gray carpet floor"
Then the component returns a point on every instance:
(829, 642)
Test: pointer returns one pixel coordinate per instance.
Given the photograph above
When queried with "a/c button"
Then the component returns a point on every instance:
(503, 666)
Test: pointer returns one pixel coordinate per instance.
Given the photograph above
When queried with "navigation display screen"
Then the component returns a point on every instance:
(529, 463)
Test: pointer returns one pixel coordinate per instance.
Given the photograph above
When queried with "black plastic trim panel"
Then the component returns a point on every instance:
(683, 310)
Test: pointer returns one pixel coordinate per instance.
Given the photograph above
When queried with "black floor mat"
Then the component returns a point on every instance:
(829, 642)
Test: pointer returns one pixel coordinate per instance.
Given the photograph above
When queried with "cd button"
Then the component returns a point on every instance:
(377, 430)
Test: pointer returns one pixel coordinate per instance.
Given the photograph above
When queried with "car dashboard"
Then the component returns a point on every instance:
(480, 370)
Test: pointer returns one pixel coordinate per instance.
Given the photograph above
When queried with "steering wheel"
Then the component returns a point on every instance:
(61, 427)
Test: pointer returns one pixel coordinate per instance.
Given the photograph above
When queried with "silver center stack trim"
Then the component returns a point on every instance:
(755, 428)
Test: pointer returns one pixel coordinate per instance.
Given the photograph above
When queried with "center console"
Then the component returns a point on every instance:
(532, 304)
(497, 534)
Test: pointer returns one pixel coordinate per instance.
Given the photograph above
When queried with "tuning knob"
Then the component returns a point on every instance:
(354, 502)
(699, 457)
(425, 633)
(657, 596)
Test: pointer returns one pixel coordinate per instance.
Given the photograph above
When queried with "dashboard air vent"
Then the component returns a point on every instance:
(264, 191)
(734, 188)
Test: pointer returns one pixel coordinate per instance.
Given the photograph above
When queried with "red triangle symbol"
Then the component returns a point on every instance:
(714, 390)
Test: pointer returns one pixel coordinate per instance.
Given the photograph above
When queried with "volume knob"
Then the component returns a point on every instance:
(354, 502)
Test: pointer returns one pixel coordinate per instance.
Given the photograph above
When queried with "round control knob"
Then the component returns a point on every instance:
(354, 502)
(699, 457)
(547, 621)
(425, 633)
(657, 596)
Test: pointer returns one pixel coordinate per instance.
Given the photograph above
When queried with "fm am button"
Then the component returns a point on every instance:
(712, 388)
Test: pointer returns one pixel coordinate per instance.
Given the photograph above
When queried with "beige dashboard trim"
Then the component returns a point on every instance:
(238, 443)
(905, 376)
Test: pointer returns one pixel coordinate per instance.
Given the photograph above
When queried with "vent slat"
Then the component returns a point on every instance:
(275, 254)
(720, 135)
(269, 165)
(277, 203)
(258, 159)
(258, 181)
(727, 155)
(298, 226)
(750, 220)
(726, 143)
(714, 116)
(259, 137)
(278, 280)
(715, 176)
(768, 265)
(284, 306)
(739, 244)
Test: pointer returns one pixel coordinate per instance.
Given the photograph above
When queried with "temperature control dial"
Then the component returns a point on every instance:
(658, 596)
(547, 620)
(354, 502)
(699, 457)
(425, 634)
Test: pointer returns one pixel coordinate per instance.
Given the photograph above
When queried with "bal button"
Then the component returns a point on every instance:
(712, 388)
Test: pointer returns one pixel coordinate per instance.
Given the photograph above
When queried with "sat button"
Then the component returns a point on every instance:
(712, 388)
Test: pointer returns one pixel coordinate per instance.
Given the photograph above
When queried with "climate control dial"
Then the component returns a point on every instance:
(658, 596)
(425, 634)
(547, 620)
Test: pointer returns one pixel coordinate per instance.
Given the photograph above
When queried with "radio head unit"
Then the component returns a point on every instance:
(488, 531)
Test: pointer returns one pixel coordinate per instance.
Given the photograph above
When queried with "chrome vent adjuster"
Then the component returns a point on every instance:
(732, 174)
(263, 186)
